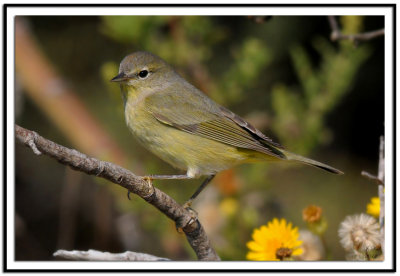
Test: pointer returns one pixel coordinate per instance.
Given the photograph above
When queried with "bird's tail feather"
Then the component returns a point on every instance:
(302, 159)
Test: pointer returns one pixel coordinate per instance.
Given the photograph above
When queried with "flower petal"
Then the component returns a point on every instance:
(269, 238)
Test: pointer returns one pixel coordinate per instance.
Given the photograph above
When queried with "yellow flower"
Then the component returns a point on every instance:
(273, 242)
(373, 207)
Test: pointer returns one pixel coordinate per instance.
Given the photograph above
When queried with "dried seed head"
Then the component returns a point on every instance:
(360, 233)
(313, 250)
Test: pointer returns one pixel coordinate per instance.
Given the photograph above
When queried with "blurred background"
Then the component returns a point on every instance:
(318, 98)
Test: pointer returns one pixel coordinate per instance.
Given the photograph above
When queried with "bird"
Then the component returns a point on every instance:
(187, 129)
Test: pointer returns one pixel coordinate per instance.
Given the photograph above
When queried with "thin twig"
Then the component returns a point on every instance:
(135, 184)
(381, 176)
(380, 180)
(336, 34)
(372, 177)
(94, 255)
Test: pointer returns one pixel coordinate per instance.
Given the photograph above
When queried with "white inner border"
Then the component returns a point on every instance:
(386, 11)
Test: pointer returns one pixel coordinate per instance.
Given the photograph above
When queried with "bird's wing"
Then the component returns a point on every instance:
(200, 116)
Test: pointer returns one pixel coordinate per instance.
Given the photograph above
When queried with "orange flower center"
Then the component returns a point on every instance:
(283, 253)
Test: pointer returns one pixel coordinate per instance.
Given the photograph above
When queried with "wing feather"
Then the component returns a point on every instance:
(203, 117)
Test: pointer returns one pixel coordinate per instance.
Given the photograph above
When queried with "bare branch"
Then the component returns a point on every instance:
(381, 166)
(135, 184)
(380, 179)
(335, 28)
(372, 177)
(29, 140)
(94, 255)
(336, 34)
(381, 193)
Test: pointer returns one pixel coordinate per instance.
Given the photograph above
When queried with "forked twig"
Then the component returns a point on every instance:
(336, 34)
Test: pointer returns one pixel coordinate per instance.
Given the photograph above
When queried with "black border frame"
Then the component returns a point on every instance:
(5, 269)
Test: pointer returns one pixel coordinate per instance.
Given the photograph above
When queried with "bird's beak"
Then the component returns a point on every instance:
(120, 77)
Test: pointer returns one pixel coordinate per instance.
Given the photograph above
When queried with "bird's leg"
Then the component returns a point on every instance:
(188, 203)
(152, 177)
(198, 191)
(149, 179)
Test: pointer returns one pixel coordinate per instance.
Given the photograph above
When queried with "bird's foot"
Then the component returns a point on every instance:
(148, 178)
(193, 213)
(149, 181)
(193, 216)
(187, 204)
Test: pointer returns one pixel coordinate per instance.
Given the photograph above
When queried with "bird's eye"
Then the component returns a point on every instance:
(143, 74)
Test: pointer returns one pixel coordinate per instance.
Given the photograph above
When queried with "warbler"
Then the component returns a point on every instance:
(185, 128)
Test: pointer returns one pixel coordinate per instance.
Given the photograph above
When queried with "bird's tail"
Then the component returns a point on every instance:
(302, 159)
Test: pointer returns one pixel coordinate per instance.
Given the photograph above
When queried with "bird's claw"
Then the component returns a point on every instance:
(192, 212)
(193, 216)
(148, 178)
(187, 204)
(149, 181)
